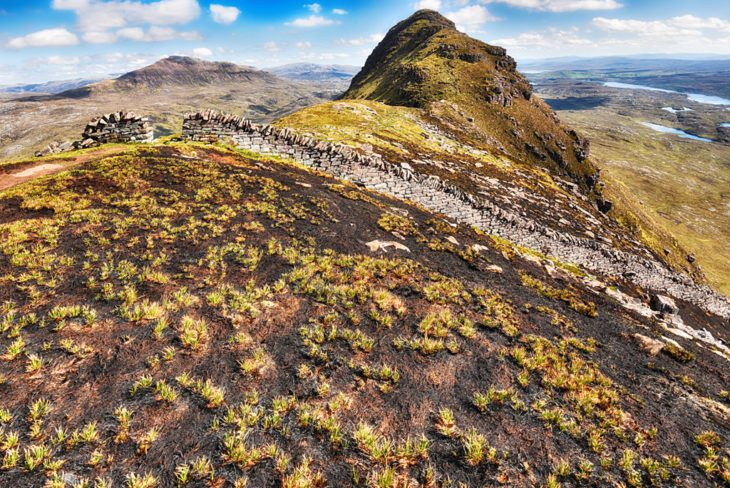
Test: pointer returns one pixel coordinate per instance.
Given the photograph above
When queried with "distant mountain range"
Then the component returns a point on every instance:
(315, 72)
(51, 87)
(627, 63)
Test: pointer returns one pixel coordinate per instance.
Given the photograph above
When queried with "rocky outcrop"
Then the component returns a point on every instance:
(723, 134)
(401, 181)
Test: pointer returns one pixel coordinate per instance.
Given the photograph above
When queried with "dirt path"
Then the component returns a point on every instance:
(10, 180)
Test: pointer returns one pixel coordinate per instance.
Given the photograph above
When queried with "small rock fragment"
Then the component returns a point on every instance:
(649, 345)
(378, 245)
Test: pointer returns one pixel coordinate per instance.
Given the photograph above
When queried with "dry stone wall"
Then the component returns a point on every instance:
(111, 127)
(117, 127)
(402, 182)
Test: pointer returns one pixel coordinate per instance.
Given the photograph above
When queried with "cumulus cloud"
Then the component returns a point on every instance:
(45, 38)
(303, 45)
(202, 52)
(272, 46)
(362, 41)
(685, 25)
(314, 7)
(153, 34)
(339, 11)
(429, 4)
(224, 15)
(101, 21)
(560, 5)
(550, 39)
(311, 21)
(470, 17)
(63, 60)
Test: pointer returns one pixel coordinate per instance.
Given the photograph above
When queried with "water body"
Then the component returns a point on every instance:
(695, 97)
(725, 124)
(678, 132)
(674, 110)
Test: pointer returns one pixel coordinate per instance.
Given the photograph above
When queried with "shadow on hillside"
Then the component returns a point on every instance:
(576, 103)
(75, 94)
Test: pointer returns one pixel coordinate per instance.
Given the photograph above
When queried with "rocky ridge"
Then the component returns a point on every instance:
(401, 181)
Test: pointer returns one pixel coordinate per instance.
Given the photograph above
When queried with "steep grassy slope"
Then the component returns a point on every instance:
(683, 185)
(187, 314)
(424, 59)
(432, 144)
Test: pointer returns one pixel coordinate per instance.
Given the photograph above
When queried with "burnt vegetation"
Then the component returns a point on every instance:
(194, 316)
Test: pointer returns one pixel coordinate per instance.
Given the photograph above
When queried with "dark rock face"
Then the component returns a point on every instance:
(663, 304)
(604, 206)
(723, 134)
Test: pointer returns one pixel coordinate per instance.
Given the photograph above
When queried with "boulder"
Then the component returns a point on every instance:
(663, 304)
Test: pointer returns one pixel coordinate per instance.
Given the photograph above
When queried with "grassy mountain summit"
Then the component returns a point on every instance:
(425, 60)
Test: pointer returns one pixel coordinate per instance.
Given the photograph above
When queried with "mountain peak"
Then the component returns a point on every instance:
(430, 16)
(425, 62)
(184, 70)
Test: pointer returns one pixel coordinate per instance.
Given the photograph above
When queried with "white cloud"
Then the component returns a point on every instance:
(224, 15)
(693, 22)
(45, 38)
(427, 4)
(202, 52)
(471, 17)
(560, 5)
(339, 11)
(550, 39)
(685, 25)
(303, 45)
(63, 60)
(314, 7)
(362, 41)
(311, 21)
(272, 46)
(153, 34)
(101, 20)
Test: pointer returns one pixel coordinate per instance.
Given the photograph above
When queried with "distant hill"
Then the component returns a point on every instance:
(49, 86)
(314, 72)
(180, 71)
(165, 91)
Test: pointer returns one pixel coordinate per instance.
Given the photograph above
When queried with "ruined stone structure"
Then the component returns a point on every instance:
(402, 182)
(112, 127)
(117, 127)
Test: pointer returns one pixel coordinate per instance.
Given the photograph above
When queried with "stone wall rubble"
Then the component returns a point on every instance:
(111, 127)
(400, 181)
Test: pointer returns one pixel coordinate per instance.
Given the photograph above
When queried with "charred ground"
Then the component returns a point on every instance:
(185, 312)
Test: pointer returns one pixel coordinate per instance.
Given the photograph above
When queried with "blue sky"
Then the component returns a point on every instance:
(44, 40)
